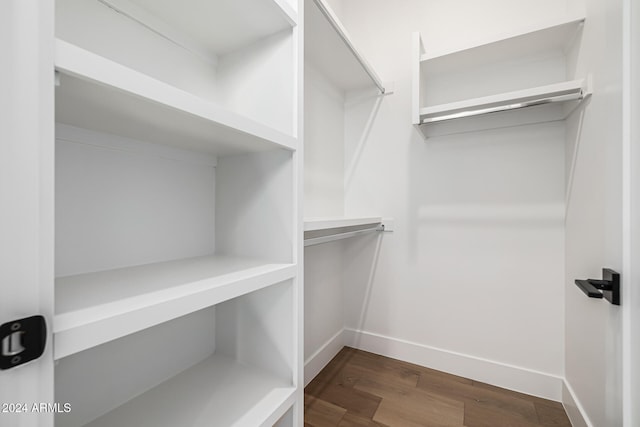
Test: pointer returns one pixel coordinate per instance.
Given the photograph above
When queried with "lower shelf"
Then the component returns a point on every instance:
(216, 392)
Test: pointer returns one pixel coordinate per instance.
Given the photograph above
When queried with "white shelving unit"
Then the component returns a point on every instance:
(177, 292)
(517, 78)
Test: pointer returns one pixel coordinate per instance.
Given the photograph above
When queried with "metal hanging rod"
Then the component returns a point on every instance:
(574, 95)
(339, 236)
(339, 29)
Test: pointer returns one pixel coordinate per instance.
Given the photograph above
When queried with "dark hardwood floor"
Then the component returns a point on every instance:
(363, 389)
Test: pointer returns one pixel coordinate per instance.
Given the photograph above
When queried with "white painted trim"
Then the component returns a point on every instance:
(511, 377)
(630, 222)
(318, 360)
(572, 406)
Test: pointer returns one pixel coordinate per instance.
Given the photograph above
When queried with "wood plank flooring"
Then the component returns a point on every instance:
(360, 389)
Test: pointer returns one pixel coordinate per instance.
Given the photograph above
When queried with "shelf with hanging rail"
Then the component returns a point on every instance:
(324, 230)
(522, 77)
(575, 90)
(330, 49)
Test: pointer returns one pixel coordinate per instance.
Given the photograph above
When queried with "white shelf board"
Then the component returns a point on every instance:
(325, 230)
(557, 34)
(507, 98)
(95, 308)
(211, 28)
(314, 224)
(102, 95)
(216, 392)
(328, 47)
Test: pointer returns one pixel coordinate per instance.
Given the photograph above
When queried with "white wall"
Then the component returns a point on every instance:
(594, 225)
(471, 281)
(323, 196)
(323, 154)
(254, 195)
(116, 202)
(323, 305)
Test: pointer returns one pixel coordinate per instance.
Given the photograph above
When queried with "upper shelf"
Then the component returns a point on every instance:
(94, 308)
(102, 95)
(208, 28)
(521, 77)
(328, 47)
(555, 34)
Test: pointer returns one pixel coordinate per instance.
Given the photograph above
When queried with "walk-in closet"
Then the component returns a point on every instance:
(319, 213)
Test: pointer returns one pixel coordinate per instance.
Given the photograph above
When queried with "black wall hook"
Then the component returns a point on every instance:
(608, 287)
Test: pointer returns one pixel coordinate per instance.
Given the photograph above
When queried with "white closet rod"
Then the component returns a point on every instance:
(339, 236)
(343, 35)
(576, 95)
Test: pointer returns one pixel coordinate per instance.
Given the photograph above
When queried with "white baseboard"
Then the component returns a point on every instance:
(499, 374)
(488, 371)
(573, 408)
(318, 360)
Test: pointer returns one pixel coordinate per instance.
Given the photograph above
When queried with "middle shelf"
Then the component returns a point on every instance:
(146, 233)
(94, 308)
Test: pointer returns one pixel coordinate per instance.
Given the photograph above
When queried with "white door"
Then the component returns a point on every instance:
(596, 225)
(26, 202)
